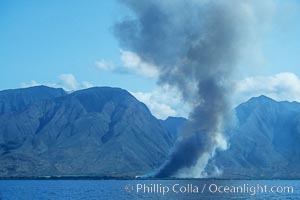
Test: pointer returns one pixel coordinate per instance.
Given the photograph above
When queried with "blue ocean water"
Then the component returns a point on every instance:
(148, 189)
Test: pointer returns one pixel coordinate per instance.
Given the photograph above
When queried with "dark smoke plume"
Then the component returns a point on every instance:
(195, 45)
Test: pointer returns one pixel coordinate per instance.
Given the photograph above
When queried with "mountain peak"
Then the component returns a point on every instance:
(105, 93)
(264, 142)
(104, 89)
(39, 88)
(84, 132)
(15, 100)
(261, 98)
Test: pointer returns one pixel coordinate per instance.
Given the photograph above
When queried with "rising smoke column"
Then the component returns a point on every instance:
(195, 45)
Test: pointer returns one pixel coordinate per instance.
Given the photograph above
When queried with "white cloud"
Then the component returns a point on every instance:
(163, 102)
(30, 84)
(281, 87)
(135, 64)
(105, 65)
(158, 109)
(166, 101)
(66, 81)
(130, 63)
(69, 82)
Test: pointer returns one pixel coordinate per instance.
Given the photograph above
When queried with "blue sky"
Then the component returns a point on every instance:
(42, 41)
(281, 44)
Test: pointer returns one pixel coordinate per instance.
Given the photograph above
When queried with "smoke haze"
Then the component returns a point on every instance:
(195, 46)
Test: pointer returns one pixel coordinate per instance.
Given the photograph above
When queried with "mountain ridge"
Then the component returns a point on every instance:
(265, 143)
(87, 132)
(107, 132)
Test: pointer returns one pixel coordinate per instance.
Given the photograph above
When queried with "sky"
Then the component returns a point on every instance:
(70, 44)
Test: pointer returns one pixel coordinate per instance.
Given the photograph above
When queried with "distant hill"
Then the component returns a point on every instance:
(265, 143)
(104, 131)
(16, 100)
(99, 131)
(173, 125)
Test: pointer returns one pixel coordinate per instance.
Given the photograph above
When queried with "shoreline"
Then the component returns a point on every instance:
(132, 178)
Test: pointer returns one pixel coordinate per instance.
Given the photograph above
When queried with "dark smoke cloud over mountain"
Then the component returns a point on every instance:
(195, 45)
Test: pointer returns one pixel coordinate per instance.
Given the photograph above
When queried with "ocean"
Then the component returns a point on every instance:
(148, 189)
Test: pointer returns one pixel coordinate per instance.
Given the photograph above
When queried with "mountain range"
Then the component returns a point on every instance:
(104, 131)
(99, 131)
(265, 143)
